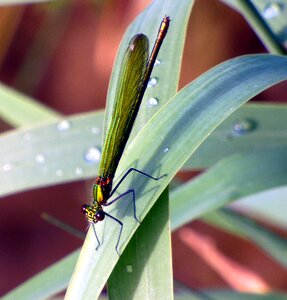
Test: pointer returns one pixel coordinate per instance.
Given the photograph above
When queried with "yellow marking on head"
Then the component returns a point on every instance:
(90, 215)
(91, 212)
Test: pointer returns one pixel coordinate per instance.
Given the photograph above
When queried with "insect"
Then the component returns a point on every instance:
(133, 79)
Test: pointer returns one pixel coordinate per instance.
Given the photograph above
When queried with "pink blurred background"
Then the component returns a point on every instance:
(70, 49)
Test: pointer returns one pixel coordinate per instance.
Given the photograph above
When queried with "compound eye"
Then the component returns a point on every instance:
(84, 208)
(100, 215)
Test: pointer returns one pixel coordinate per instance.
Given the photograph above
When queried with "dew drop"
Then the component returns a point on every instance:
(157, 62)
(59, 172)
(6, 167)
(132, 47)
(40, 158)
(95, 130)
(129, 268)
(244, 126)
(272, 10)
(152, 102)
(79, 171)
(165, 150)
(152, 82)
(27, 137)
(92, 155)
(63, 125)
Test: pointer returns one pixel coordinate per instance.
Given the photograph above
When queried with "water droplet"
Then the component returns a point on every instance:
(244, 126)
(165, 150)
(151, 102)
(95, 130)
(27, 137)
(63, 125)
(92, 155)
(40, 158)
(79, 171)
(272, 10)
(157, 62)
(129, 268)
(59, 172)
(6, 167)
(152, 82)
(132, 46)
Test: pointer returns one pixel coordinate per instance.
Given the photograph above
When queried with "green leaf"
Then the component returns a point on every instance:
(230, 295)
(272, 243)
(170, 137)
(262, 132)
(166, 73)
(148, 248)
(48, 282)
(259, 204)
(269, 22)
(153, 281)
(19, 110)
(232, 178)
(267, 19)
(20, 148)
(29, 158)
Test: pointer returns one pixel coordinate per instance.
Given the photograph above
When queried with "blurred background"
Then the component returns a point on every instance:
(61, 53)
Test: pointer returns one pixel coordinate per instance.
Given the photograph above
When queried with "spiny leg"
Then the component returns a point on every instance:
(121, 196)
(121, 229)
(93, 225)
(124, 194)
(136, 170)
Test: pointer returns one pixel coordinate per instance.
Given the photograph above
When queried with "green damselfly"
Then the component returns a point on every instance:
(133, 79)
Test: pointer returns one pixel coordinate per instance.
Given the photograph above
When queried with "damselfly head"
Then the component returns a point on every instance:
(92, 213)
